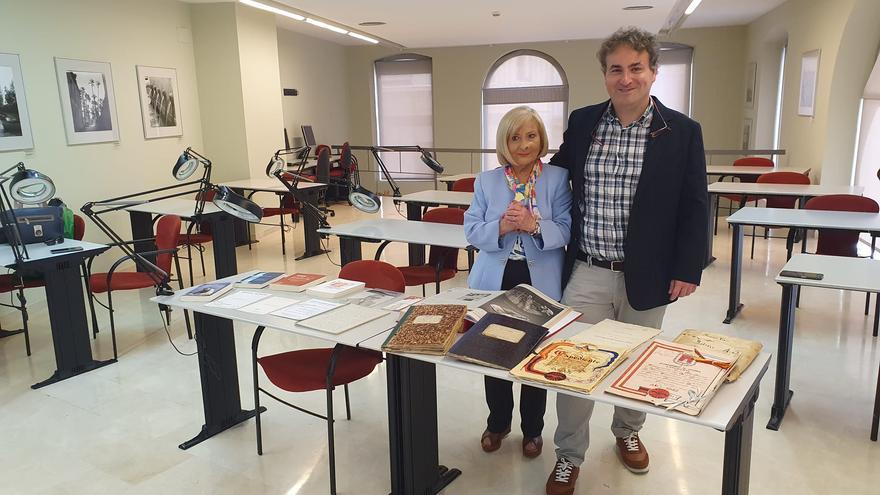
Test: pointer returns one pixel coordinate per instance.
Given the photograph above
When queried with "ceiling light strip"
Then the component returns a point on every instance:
(274, 10)
(362, 37)
(331, 27)
(692, 7)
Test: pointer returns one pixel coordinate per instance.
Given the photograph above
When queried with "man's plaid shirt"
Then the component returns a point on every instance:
(611, 174)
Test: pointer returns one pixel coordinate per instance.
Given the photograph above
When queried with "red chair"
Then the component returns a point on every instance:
(196, 236)
(287, 205)
(833, 242)
(167, 240)
(308, 370)
(15, 282)
(464, 185)
(779, 201)
(442, 261)
(741, 199)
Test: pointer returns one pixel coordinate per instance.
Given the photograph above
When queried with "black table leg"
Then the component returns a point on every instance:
(875, 421)
(349, 250)
(311, 238)
(412, 428)
(416, 251)
(241, 227)
(782, 394)
(733, 304)
(67, 317)
(142, 228)
(713, 208)
(738, 449)
(216, 347)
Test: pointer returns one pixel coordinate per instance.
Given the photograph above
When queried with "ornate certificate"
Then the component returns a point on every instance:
(674, 376)
(572, 365)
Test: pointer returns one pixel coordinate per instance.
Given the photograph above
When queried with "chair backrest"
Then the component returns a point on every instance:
(464, 185)
(782, 178)
(323, 169)
(376, 274)
(79, 227)
(840, 242)
(752, 161)
(453, 216)
(347, 160)
(167, 237)
(204, 227)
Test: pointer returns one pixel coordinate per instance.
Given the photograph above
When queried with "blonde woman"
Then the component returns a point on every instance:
(520, 219)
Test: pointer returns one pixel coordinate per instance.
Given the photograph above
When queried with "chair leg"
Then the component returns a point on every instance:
(423, 290)
(437, 287)
(717, 202)
(112, 325)
(24, 322)
(281, 216)
(202, 258)
(330, 441)
(867, 302)
(753, 242)
(876, 314)
(91, 298)
(347, 405)
(180, 285)
(189, 263)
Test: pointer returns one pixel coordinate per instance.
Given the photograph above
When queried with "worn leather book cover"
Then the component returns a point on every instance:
(426, 329)
(498, 341)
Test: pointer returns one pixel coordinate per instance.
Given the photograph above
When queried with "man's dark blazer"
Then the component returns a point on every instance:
(666, 235)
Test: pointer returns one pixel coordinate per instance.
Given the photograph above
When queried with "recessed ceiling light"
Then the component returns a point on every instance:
(639, 7)
(372, 23)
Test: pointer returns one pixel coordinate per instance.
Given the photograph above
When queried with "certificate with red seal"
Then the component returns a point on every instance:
(675, 376)
(576, 366)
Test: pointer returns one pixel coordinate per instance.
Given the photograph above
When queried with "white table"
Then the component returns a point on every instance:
(858, 274)
(790, 218)
(383, 229)
(65, 301)
(310, 191)
(412, 393)
(450, 179)
(741, 172)
(416, 201)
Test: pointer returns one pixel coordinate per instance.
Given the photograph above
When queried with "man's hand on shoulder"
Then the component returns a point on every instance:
(678, 288)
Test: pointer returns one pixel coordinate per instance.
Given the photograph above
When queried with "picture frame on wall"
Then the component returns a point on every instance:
(88, 102)
(15, 123)
(809, 77)
(160, 101)
(751, 79)
(747, 133)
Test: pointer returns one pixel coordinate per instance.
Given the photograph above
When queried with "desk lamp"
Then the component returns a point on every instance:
(28, 187)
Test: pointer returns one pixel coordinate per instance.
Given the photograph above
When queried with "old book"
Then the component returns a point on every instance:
(342, 318)
(498, 341)
(572, 365)
(678, 377)
(297, 282)
(259, 280)
(527, 303)
(426, 329)
(335, 288)
(714, 342)
(206, 292)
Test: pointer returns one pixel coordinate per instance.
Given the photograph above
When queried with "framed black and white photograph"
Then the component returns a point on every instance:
(160, 103)
(88, 103)
(809, 76)
(751, 79)
(747, 133)
(15, 124)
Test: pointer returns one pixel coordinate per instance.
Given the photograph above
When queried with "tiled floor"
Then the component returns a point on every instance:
(116, 430)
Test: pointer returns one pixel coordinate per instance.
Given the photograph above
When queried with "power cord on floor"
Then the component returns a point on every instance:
(170, 341)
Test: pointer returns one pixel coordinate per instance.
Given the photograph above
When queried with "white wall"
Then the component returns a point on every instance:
(124, 33)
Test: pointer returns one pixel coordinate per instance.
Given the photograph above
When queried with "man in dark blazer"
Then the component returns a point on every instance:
(638, 222)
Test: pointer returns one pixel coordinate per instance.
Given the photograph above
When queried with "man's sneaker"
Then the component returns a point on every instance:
(632, 453)
(563, 477)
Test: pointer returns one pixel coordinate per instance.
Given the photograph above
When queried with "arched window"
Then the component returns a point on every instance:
(524, 77)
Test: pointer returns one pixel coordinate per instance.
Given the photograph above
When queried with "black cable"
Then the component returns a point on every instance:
(170, 341)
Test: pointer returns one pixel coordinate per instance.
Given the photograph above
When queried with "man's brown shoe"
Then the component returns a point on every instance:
(632, 453)
(563, 477)
(532, 446)
(492, 441)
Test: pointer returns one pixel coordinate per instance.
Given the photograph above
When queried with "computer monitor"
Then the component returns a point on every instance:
(309, 136)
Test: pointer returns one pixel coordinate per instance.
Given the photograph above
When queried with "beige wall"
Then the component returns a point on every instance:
(846, 33)
(124, 33)
(317, 69)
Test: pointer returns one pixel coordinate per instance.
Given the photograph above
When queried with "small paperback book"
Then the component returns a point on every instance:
(332, 289)
(675, 376)
(259, 280)
(297, 282)
(527, 303)
(498, 341)
(206, 292)
(426, 329)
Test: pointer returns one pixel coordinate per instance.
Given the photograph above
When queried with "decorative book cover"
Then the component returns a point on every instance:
(498, 341)
(527, 303)
(206, 292)
(259, 280)
(426, 329)
(572, 365)
(714, 342)
(335, 288)
(297, 282)
(674, 376)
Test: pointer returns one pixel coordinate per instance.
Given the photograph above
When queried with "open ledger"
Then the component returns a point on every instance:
(675, 376)
(527, 303)
(583, 361)
(714, 342)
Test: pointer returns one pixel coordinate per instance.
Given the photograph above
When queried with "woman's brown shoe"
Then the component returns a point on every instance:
(531, 447)
(492, 441)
